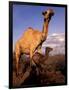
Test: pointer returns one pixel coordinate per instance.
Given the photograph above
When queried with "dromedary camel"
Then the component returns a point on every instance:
(40, 58)
(32, 39)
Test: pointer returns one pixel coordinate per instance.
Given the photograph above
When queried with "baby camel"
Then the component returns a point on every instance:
(32, 40)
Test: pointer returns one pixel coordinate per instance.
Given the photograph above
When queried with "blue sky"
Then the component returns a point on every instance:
(25, 16)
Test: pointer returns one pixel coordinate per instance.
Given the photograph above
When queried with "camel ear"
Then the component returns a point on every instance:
(52, 13)
(43, 13)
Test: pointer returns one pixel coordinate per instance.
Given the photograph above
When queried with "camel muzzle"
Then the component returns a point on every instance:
(49, 17)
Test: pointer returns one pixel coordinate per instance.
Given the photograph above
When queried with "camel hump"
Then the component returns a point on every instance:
(28, 31)
(30, 28)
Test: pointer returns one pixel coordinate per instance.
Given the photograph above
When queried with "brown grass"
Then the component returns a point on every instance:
(47, 71)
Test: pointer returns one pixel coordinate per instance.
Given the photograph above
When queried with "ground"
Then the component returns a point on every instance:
(49, 71)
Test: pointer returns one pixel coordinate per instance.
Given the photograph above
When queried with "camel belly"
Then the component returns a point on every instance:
(26, 51)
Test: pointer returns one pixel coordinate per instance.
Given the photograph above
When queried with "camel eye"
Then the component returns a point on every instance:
(45, 12)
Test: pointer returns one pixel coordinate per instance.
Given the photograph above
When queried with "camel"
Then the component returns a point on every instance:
(32, 40)
(47, 51)
(40, 58)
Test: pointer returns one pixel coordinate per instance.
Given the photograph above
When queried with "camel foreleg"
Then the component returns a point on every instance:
(32, 63)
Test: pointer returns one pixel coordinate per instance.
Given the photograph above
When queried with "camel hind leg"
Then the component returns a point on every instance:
(17, 55)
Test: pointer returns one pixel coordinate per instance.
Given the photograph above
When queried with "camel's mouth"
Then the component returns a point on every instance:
(48, 18)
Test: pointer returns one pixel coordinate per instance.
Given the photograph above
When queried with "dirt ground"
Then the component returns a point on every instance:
(49, 71)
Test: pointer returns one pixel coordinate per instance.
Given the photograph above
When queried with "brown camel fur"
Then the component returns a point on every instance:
(32, 40)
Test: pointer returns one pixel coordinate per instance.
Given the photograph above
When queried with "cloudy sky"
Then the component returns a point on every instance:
(55, 41)
(25, 16)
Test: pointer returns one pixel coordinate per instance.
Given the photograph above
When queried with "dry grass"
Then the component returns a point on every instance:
(48, 71)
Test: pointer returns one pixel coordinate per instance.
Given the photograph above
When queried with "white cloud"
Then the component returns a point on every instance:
(57, 42)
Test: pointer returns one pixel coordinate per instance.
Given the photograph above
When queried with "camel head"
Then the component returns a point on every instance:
(48, 14)
(48, 49)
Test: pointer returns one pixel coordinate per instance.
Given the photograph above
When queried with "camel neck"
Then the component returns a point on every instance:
(45, 29)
